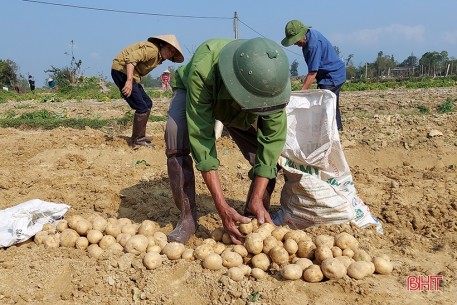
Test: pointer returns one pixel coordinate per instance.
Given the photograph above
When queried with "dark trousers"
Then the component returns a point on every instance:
(336, 90)
(138, 100)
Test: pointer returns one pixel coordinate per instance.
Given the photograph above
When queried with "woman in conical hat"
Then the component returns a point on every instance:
(130, 65)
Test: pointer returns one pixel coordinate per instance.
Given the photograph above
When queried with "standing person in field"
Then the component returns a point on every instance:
(165, 79)
(245, 84)
(324, 64)
(31, 83)
(134, 62)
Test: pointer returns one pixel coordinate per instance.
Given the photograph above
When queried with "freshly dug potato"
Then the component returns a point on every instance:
(49, 227)
(152, 260)
(345, 260)
(382, 266)
(148, 227)
(61, 225)
(269, 243)
(241, 250)
(291, 272)
(106, 241)
(155, 248)
(306, 249)
(160, 237)
(113, 229)
(131, 228)
(68, 238)
(361, 255)
(137, 244)
(219, 248)
(279, 232)
(245, 228)
(72, 220)
(325, 241)
(173, 250)
(279, 255)
(231, 259)
(261, 261)
(202, 251)
(81, 243)
(302, 262)
(359, 269)
(297, 235)
(122, 239)
(40, 237)
(313, 274)
(212, 261)
(322, 253)
(82, 226)
(291, 246)
(246, 269)
(217, 233)
(333, 268)
(188, 255)
(124, 221)
(254, 243)
(226, 239)
(94, 251)
(236, 274)
(94, 236)
(346, 241)
(348, 252)
(336, 251)
(51, 242)
(258, 273)
(99, 223)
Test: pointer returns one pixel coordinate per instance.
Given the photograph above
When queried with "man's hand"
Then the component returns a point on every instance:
(255, 205)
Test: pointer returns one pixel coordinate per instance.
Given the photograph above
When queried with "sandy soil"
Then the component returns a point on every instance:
(407, 177)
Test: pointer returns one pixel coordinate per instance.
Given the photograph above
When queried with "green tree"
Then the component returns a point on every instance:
(8, 73)
(67, 76)
(294, 68)
(383, 64)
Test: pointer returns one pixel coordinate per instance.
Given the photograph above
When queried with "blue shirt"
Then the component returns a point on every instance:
(321, 57)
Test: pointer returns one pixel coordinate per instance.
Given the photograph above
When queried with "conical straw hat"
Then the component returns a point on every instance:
(170, 39)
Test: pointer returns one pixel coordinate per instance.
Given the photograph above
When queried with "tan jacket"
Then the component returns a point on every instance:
(144, 55)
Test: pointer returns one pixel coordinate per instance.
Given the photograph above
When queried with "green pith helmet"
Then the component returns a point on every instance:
(295, 30)
(256, 74)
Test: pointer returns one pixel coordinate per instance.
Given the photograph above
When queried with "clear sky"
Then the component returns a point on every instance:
(37, 35)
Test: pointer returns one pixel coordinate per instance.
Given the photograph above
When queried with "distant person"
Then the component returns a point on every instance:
(245, 84)
(31, 83)
(165, 79)
(51, 83)
(130, 65)
(324, 64)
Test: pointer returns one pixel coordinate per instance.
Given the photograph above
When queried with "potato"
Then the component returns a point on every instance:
(333, 268)
(188, 255)
(51, 242)
(219, 248)
(94, 236)
(348, 252)
(361, 255)
(279, 255)
(131, 229)
(245, 228)
(306, 249)
(152, 260)
(68, 238)
(345, 260)
(246, 269)
(160, 237)
(40, 237)
(241, 250)
(217, 233)
(49, 227)
(322, 253)
(62, 225)
(258, 273)
(155, 248)
(82, 226)
(72, 220)
(231, 259)
(302, 262)
(226, 239)
(345, 240)
(255, 224)
(313, 274)
(99, 223)
(173, 250)
(269, 243)
(113, 229)
(81, 243)
(359, 269)
(382, 266)
(212, 261)
(236, 274)
(202, 251)
(261, 261)
(137, 244)
(95, 251)
(106, 241)
(147, 227)
(325, 241)
(291, 246)
(266, 226)
(291, 272)
(297, 235)
(279, 232)
(124, 221)
(336, 251)
(254, 243)
(122, 239)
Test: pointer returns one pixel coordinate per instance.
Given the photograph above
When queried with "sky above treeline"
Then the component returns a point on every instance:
(39, 34)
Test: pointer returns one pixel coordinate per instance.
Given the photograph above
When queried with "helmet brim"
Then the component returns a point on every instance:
(247, 100)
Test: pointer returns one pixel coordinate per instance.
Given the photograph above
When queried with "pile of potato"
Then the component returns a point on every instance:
(267, 248)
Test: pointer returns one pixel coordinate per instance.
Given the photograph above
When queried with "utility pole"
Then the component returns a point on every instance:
(235, 25)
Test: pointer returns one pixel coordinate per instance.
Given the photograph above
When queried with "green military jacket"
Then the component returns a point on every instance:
(208, 100)
(144, 55)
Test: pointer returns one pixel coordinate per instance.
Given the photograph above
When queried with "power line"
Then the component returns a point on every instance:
(125, 12)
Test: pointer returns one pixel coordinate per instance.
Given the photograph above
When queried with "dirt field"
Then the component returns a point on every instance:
(404, 173)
